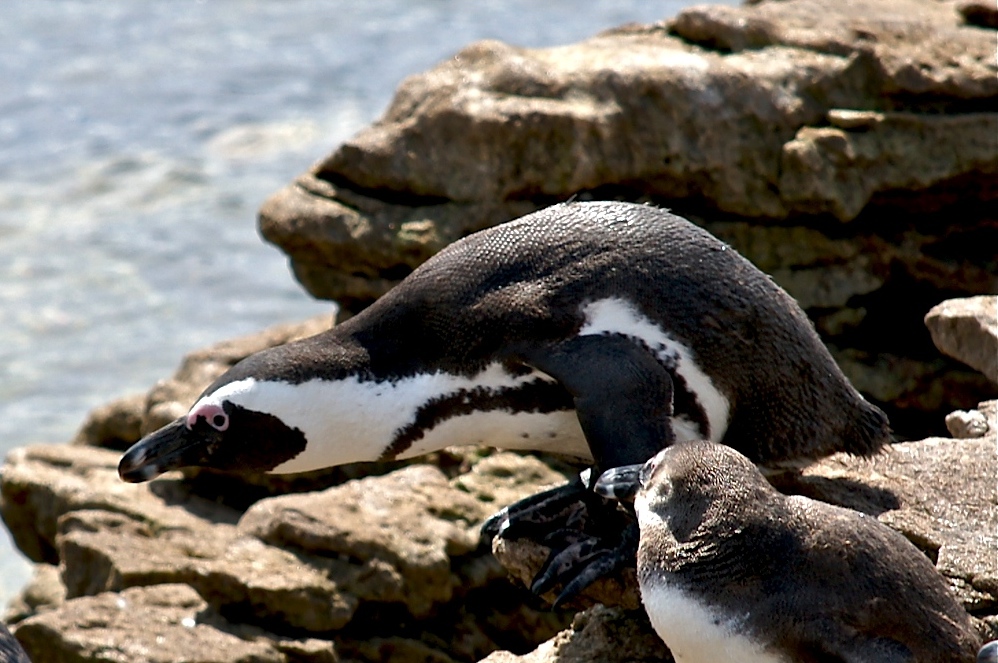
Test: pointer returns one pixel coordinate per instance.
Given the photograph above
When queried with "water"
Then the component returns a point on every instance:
(137, 141)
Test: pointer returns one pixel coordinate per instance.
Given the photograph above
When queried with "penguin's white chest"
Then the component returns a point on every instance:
(695, 633)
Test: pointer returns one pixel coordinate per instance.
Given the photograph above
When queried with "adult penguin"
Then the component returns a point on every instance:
(600, 330)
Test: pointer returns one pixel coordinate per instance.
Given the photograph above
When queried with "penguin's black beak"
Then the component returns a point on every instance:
(619, 483)
(171, 447)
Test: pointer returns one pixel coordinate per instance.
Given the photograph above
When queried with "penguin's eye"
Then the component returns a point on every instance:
(647, 470)
(212, 413)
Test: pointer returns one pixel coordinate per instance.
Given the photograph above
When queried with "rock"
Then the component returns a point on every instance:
(599, 635)
(408, 559)
(915, 48)
(967, 424)
(43, 592)
(770, 124)
(115, 425)
(406, 530)
(967, 329)
(838, 170)
(161, 624)
(41, 484)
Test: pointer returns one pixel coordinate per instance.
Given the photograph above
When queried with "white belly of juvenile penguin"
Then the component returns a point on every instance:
(694, 631)
(696, 634)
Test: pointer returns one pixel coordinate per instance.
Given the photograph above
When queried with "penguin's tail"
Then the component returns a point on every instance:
(868, 432)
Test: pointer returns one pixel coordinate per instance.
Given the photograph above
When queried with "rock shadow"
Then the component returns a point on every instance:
(179, 493)
(843, 492)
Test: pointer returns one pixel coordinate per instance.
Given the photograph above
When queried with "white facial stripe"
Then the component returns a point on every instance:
(351, 420)
(618, 316)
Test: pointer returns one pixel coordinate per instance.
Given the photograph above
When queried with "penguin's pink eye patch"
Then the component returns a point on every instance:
(212, 413)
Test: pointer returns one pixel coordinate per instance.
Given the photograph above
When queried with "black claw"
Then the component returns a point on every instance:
(562, 564)
(605, 564)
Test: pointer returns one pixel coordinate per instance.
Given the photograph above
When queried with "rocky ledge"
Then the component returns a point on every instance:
(841, 147)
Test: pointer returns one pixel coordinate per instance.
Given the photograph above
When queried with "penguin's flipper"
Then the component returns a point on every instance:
(622, 394)
(623, 398)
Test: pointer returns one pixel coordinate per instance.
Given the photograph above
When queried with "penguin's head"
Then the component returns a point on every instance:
(220, 431)
(272, 412)
(684, 481)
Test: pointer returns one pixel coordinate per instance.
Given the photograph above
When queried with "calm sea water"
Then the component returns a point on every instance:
(137, 141)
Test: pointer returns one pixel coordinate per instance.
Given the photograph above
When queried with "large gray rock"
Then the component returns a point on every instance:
(967, 329)
(728, 104)
(598, 635)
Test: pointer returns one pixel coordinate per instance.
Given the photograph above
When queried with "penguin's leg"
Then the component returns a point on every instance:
(623, 398)
(622, 395)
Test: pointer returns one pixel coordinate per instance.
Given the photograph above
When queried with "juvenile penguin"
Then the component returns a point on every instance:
(732, 570)
(600, 330)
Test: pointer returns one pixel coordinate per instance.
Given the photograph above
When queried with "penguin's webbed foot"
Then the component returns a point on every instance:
(588, 535)
(579, 560)
(536, 516)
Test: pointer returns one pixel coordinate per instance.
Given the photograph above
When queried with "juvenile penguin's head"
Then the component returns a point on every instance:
(684, 481)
